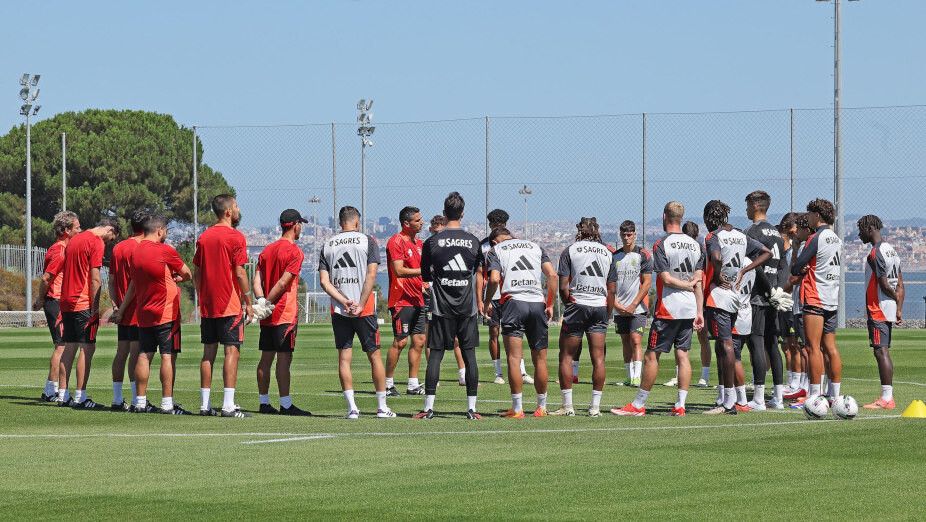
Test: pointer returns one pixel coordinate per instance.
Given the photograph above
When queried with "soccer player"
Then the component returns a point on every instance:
(152, 295)
(65, 225)
(634, 270)
(787, 335)
(819, 264)
(496, 218)
(448, 262)
(741, 330)
(222, 283)
(438, 223)
(801, 235)
(678, 265)
(727, 250)
(276, 279)
(120, 275)
(588, 290)
(80, 306)
(884, 294)
(406, 300)
(691, 229)
(347, 267)
(763, 345)
(516, 266)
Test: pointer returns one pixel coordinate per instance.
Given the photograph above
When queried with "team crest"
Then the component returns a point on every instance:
(440, 243)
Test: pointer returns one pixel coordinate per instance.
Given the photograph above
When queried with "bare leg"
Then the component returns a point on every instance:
(541, 374)
(392, 356)
(284, 362)
(514, 353)
(83, 371)
(142, 372)
(344, 374)
(596, 346)
(378, 371)
(813, 325)
(263, 371)
(168, 363)
(205, 367)
(230, 368)
(414, 355)
(568, 348)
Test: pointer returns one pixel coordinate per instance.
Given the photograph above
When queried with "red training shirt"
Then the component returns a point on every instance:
(404, 291)
(278, 258)
(153, 267)
(54, 265)
(218, 251)
(83, 253)
(120, 269)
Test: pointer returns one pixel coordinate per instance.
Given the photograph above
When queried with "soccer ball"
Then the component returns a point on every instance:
(845, 408)
(816, 408)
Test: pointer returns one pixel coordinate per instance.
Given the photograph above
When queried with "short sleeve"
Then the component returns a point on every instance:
(198, 255)
(96, 253)
(322, 260)
(395, 250)
(660, 261)
(480, 257)
(172, 259)
(295, 263)
(55, 263)
(492, 262)
(372, 251)
(753, 248)
(877, 263)
(544, 258)
(712, 244)
(702, 260)
(646, 262)
(612, 272)
(564, 269)
(240, 251)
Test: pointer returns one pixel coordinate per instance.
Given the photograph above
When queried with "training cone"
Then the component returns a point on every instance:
(916, 410)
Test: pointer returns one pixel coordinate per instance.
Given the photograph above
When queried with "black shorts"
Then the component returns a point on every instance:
(163, 338)
(127, 333)
(719, 323)
(54, 320)
(222, 330)
(764, 320)
(408, 320)
(664, 333)
(278, 338)
(630, 324)
(80, 327)
(579, 320)
(365, 328)
(829, 318)
(443, 330)
(879, 333)
(520, 318)
(738, 342)
(496, 318)
(799, 328)
(785, 326)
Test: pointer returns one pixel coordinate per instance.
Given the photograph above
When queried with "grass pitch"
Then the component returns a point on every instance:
(63, 463)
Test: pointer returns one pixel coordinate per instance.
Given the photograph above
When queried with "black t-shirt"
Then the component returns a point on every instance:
(766, 233)
(448, 262)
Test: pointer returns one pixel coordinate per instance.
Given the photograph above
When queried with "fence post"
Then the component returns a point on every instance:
(195, 218)
(334, 177)
(644, 180)
(792, 159)
(487, 176)
(64, 175)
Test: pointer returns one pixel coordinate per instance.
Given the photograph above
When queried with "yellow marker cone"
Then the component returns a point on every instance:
(916, 410)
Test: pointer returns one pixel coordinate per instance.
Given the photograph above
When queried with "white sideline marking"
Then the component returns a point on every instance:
(879, 380)
(327, 436)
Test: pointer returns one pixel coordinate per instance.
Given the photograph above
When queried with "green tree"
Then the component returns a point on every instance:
(117, 162)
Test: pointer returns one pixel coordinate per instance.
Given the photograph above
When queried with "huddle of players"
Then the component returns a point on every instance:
(716, 281)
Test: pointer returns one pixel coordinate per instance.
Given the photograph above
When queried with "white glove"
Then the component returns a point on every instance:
(781, 300)
(262, 309)
(785, 304)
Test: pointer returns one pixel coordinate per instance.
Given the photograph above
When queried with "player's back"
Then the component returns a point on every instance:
(743, 324)
(219, 249)
(346, 257)
(449, 260)
(83, 252)
(680, 256)
(820, 286)
(519, 264)
(732, 245)
(157, 295)
(766, 233)
(120, 269)
(886, 263)
(484, 247)
(278, 258)
(54, 264)
(587, 264)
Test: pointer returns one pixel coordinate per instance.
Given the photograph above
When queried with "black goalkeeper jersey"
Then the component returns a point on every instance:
(448, 262)
(766, 233)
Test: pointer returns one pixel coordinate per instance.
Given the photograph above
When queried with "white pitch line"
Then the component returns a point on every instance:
(879, 380)
(290, 440)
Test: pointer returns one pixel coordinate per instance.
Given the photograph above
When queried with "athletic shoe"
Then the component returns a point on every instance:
(429, 414)
(772, 404)
(511, 414)
(294, 411)
(750, 386)
(594, 412)
(742, 407)
(88, 404)
(801, 393)
(881, 404)
(49, 398)
(527, 378)
(392, 392)
(756, 406)
(677, 412)
(635, 383)
(177, 410)
(798, 404)
(209, 412)
(123, 406)
(625, 383)
(237, 414)
(65, 404)
(267, 409)
(418, 390)
(629, 410)
(149, 408)
(352, 414)
(540, 412)
(499, 379)
(720, 410)
(472, 415)
(565, 411)
(671, 382)
(385, 414)
(702, 383)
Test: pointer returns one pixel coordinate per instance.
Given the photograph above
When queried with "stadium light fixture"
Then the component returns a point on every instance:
(369, 105)
(525, 192)
(35, 79)
(361, 104)
(36, 110)
(24, 94)
(35, 94)
(24, 80)
(364, 131)
(24, 110)
(28, 110)
(315, 201)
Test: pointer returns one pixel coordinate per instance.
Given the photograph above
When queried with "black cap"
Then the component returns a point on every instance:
(290, 217)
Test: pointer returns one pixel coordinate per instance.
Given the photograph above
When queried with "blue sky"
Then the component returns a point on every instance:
(257, 63)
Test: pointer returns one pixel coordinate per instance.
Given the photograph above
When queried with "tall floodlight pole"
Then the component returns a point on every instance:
(525, 192)
(28, 110)
(64, 174)
(315, 201)
(364, 131)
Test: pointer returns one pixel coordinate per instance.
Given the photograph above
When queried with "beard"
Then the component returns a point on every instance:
(236, 220)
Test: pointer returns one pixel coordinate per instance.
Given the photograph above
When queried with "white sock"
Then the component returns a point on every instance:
(62, 394)
(805, 382)
(567, 398)
(729, 397)
(887, 392)
(741, 394)
(542, 401)
(428, 402)
(79, 396)
(462, 373)
(56, 388)
(706, 373)
(204, 399)
(413, 382)
(596, 399)
(758, 395)
(349, 398)
(264, 399)
(228, 399)
(834, 387)
(637, 369)
(141, 401)
(117, 393)
(790, 376)
(575, 368)
(286, 402)
(814, 391)
(779, 393)
(516, 405)
(498, 366)
(682, 396)
(167, 403)
(523, 371)
(471, 402)
(134, 391)
(829, 389)
(720, 395)
(629, 367)
(640, 400)
(390, 382)
(381, 400)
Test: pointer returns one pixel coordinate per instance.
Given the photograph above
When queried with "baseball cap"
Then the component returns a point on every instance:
(290, 217)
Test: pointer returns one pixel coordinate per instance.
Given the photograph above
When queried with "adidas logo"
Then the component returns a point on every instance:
(593, 269)
(522, 264)
(835, 261)
(456, 264)
(345, 262)
(735, 262)
(686, 266)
